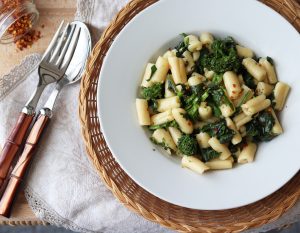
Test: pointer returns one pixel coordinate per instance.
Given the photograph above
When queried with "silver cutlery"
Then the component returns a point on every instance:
(81, 41)
(52, 68)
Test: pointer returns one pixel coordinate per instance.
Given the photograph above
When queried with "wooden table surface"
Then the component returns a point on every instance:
(52, 12)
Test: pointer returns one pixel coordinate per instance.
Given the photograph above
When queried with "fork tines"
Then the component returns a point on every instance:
(61, 49)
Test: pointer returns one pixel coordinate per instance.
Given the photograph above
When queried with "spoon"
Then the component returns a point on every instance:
(72, 75)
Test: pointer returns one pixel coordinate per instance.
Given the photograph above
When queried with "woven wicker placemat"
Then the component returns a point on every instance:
(139, 200)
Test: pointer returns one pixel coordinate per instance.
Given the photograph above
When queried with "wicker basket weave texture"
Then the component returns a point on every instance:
(139, 200)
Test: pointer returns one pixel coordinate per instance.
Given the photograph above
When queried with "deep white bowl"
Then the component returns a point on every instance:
(151, 33)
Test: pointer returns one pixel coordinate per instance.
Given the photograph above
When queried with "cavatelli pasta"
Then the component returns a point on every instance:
(210, 101)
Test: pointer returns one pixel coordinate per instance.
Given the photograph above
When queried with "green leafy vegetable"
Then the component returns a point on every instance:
(219, 130)
(153, 70)
(200, 64)
(182, 46)
(248, 79)
(163, 144)
(216, 110)
(205, 96)
(188, 145)
(186, 41)
(184, 34)
(171, 84)
(193, 112)
(172, 87)
(197, 90)
(153, 105)
(217, 79)
(153, 92)
(183, 93)
(209, 154)
(220, 98)
(272, 98)
(234, 149)
(192, 102)
(215, 96)
(269, 59)
(260, 128)
(252, 129)
(165, 125)
(191, 106)
(267, 122)
(222, 58)
(245, 98)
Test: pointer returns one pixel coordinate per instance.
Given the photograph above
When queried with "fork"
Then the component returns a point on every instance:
(52, 67)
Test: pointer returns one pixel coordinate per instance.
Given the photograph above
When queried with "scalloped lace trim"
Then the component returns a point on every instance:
(43, 211)
(18, 74)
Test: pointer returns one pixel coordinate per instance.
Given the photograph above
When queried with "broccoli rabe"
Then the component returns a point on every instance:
(165, 125)
(219, 130)
(216, 110)
(208, 154)
(153, 105)
(269, 59)
(153, 70)
(272, 98)
(260, 128)
(163, 144)
(153, 92)
(171, 85)
(191, 103)
(188, 145)
(248, 79)
(215, 97)
(191, 100)
(182, 46)
(198, 90)
(219, 96)
(217, 79)
(191, 106)
(245, 98)
(199, 68)
(223, 57)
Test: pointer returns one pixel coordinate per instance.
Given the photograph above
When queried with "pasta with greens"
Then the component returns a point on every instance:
(210, 101)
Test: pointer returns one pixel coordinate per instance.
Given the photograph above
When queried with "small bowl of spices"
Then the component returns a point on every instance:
(17, 18)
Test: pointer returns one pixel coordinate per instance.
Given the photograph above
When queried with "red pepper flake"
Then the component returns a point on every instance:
(189, 123)
(22, 25)
(27, 40)
(234, 85)
(233, 92)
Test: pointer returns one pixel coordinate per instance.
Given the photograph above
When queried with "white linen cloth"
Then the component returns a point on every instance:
(63, 187)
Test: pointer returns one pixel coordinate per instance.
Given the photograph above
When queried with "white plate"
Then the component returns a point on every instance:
(151, 33)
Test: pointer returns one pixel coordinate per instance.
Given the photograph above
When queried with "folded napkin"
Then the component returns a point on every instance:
(63, 188)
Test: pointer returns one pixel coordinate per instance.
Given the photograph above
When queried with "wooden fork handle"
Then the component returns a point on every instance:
(19, 171)
(12, 145)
